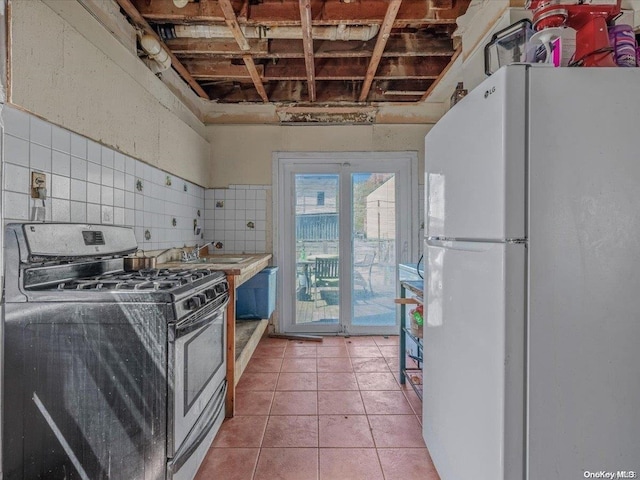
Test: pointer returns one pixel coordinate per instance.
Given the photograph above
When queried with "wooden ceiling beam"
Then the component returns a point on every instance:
(381, 42)
(232, 23)
(287, 12)
(444, 71)
(307, 43)
(336, 69)
(328, 92)
(244, 11)
(440, 4)
(403, 45)
(217, 46)
(221, 70)
(375, 10)
(166, 11)
(255, 76)
(135, 16)
(330, 12)
(276, 13)
(405, 59)
(353, 69)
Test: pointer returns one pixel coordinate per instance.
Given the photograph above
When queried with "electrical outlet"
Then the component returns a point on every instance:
(38, 185)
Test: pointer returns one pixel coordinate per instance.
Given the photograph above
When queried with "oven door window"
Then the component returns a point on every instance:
(199, 368)
(203, 357)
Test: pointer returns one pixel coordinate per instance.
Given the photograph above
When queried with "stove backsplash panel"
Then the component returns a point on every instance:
(89, 182)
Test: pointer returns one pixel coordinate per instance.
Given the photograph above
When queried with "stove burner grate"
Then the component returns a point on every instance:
(150, 279)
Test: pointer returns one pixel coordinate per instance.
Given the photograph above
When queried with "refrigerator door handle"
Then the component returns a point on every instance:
(466, 246)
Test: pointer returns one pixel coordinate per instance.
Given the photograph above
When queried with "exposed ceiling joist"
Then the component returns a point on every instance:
(216, 46)
(440, 4)
(232, 23)
(244, 11)
(282, 13)
(398, 45)
(168, 12)
(255, 77)
(383, 36)
(330, 53)
(444, 71)
(307, 43)
(355, 69)
(221, 70)
(295, 69)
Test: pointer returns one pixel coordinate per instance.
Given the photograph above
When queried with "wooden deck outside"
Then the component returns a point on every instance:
(370, 308)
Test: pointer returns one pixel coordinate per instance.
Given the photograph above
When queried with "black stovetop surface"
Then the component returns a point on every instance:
(153, 279)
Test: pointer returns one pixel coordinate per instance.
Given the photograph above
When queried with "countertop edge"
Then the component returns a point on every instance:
(253, 264)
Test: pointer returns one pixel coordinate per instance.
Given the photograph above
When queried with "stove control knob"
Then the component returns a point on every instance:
(211, 293)
(193, 303)
(202, 297)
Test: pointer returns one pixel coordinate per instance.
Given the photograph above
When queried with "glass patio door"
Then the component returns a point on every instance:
(373, 252)
(317, 253)
(340, 238)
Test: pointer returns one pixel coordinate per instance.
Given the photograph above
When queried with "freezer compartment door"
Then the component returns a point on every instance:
(473, 399)
(475, 163)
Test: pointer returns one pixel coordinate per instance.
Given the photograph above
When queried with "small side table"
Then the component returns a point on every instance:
(410, 374)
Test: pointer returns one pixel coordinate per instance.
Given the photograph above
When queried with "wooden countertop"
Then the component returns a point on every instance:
(246, 269)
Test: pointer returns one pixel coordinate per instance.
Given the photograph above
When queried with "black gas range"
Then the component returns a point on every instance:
(107, 374)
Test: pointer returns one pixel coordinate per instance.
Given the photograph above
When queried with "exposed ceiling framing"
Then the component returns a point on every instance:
(327, 53)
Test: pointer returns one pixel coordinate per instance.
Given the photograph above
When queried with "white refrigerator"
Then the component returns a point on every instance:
(532, 286)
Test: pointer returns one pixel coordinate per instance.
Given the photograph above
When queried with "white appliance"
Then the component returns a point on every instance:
(532, 294)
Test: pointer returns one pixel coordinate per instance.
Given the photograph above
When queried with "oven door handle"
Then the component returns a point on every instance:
(196, 323)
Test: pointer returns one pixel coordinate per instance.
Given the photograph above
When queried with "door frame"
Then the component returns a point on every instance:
(408, 226)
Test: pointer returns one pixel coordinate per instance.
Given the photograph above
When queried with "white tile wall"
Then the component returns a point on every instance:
(88, 182)
(236, 218)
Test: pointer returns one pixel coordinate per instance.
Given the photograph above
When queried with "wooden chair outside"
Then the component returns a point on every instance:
(361, 268)
(326, 275)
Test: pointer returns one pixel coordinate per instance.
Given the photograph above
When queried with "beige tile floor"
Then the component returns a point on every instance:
(322, 411)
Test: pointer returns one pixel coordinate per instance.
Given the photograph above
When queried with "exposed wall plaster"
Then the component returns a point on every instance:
(60, 75)
(242, 153)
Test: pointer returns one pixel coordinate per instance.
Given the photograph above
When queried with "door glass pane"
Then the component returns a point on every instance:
(317, 246)
(374, 249)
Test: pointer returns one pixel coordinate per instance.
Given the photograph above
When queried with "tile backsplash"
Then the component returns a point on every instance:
(88, 182)
(236, 218)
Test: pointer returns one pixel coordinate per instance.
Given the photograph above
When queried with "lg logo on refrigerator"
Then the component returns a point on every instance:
(489, 91)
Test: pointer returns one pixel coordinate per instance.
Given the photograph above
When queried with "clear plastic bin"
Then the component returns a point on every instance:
(509, 45)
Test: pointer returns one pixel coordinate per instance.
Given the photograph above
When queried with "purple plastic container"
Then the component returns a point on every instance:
(625, 48)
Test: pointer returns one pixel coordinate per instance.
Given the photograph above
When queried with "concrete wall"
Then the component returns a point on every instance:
(241, 154)
(68, 69)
